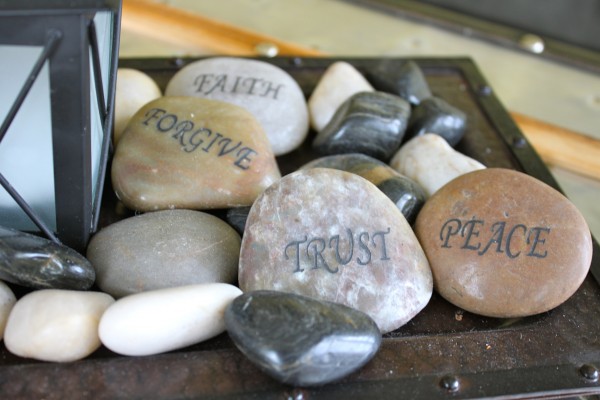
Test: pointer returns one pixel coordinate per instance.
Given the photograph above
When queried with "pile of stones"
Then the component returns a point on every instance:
(306, 271)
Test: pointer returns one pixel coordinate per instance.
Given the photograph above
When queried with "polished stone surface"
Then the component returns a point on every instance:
(35, 262)
(405, 79)
(56, 325)
(187, 152)
(264, 89)
(164, 249)
(299, 340)
(334, 236)
(504, 244)
(371, 123)
(167, 319)
(7, 301)
(435, 115)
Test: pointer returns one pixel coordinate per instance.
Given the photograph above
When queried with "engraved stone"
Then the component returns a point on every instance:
(7, 301)
(431, 162)
(56, 325)
(339, 82)
(334, 236)
(504, 244)
(267, 91)
(435, 115)
(408, 196)
(164, 249)
(35, 262)
(186, 152)
(371, 123)
(404, 79)
(167, 319)
(299, 340)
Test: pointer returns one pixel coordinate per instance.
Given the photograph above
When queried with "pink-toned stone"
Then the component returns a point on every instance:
(334, 236)
(504, 244)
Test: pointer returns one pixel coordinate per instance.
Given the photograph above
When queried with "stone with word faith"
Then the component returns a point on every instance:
(187, 152)
(435, 115)
(403, 78)
(264, 89)
(504, 244)
(334, 236)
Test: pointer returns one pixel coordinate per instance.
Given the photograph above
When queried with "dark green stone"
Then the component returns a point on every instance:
(299, 340)
(435, 115)
(406, 80)
(39, 263)
(236, 217)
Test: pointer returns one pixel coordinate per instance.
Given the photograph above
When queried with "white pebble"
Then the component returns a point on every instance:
(7, 301)
(56, 325)
(162, 320)
(431, 162)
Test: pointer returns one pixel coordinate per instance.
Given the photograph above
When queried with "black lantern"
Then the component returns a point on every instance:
(58, 62)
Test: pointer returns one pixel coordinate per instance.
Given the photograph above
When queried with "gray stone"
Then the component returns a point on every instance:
(435, 115)
(403, 78)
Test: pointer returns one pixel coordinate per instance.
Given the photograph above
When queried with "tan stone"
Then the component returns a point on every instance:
(504, 244)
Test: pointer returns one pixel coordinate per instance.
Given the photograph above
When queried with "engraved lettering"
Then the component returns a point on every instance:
(449, 231)
(383, 248)
(270, 89)
(245, 85)
(154, 113)
(467, 231)
(220, 84)
(319, 260)
(166, 123)
(338, 256)
(224, 149)
(509, 239)
(243, 157)
(364, 246)
(536, 231)
(496, 238)
(295, 244)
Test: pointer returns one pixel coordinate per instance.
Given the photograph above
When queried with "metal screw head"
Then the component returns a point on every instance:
(533, 43)
(267, 49)
(589, 372)
(450, 383)
(519, 142)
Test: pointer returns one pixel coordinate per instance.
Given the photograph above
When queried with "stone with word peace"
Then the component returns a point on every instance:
(299, 340)
(435, 115)
(371, 123)
(403, 78)
(187, 152)
(504, 244)
(164, 249)
(334, 236)
(264, 89)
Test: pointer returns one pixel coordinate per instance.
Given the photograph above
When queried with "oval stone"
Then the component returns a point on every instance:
(504, 244)
(334, 236)
(36, 262)
(7, 301)
(56, 325)
(264, 89)
(186, 152)
(167, 319)
(164, 249)
(299, 340)
(406, 79)
(414, 159)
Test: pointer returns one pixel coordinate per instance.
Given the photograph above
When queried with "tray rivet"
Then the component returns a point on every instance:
(484, 90)
(519, 142)
(589, 372)
(177, 62)
(450, 383)
(267, 49)
(532, 43)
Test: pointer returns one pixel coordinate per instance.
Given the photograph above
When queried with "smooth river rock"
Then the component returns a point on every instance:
(167, 319)
(299, 340)
(56, 325)
(431, 162)
(435, 115)
(187, 152)
(371, 123)
(334, 236)
(403, 78)
(164, 249)
(338, 83)
(264, 89)
(504, 244)
(7, 301)
(36, 262)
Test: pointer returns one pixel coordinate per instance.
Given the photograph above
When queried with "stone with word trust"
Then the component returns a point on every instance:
(332, 235)
(504, 244)
(186, 152)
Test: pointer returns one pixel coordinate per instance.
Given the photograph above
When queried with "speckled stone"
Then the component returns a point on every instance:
(264, 89)
(301, 341)
(405, 79)
(504, 244)
(338, 83)
(164, 249)
(334, 236)
(7, 301)
(187, 152)
(39, 263)
(431, 162)
(408, 196)
(371, 123)
(435, 115)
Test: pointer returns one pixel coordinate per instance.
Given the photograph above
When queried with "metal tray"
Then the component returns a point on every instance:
(443, 352)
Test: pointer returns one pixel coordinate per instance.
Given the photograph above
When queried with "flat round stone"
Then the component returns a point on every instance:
(504, 244)
(164, 249)
(264, 89)
(187, 152)
(334, 236)
(299, 340)
(7, 301)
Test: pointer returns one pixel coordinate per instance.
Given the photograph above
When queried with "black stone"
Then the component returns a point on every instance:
(299, 340)
(39, 263)
(405, 80)
(407, 194)
(236, 217)
(371, 123)
(435, 115)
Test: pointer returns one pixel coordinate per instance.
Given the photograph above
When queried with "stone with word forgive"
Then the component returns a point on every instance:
(504, 244)
(186, 152)
(334, 236)
(264, 89)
